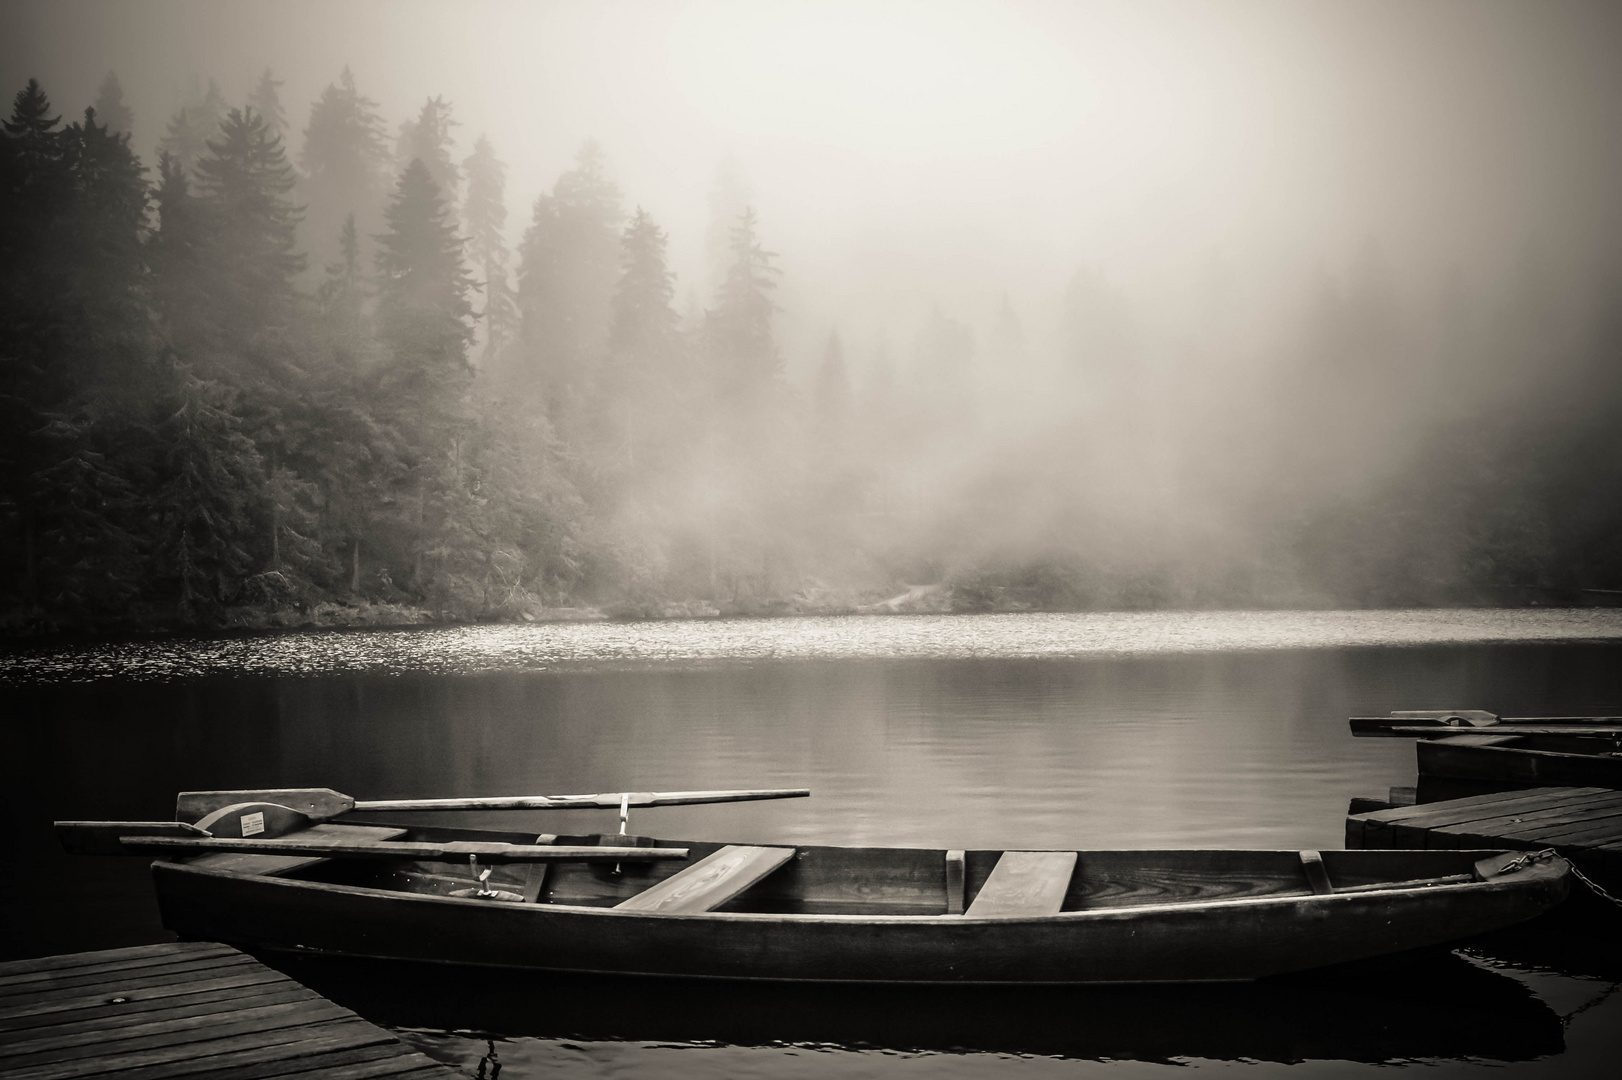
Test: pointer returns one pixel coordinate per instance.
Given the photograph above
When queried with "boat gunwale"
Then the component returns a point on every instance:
(1553, 869)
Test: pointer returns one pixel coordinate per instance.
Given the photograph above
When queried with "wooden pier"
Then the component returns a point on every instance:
(1584, 824)
(193, 1009)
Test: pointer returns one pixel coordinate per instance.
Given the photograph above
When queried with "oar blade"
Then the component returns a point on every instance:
(317, 804)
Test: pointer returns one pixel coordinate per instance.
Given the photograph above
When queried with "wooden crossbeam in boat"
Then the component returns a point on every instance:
(710, 882)
(1025, 884)
(1317, 875)
(955, 867)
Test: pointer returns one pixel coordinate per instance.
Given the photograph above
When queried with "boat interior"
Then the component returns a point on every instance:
(820, 880)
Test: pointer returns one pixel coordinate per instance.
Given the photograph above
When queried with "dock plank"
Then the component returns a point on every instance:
(9, 968)
(26, 980)
(1583, 824)
(109, 1018)
(199, 1011)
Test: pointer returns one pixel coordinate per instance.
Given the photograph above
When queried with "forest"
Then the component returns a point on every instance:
(243, 386)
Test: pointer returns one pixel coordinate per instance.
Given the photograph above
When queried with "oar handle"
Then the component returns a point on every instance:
(613, 800)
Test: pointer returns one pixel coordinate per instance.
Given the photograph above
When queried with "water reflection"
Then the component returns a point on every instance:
(1428, 1004)
(467, 650)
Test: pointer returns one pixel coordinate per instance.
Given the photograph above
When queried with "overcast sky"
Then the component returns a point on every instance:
(908, 154)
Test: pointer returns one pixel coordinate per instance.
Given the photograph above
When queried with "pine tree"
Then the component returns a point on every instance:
(346, 165)
(569, 263)
(739, 327)
(428, 139)
(110, 107)
(203, 500)
(244, 187)
(485, 211)
(194, 124)
(30, 114)
(423, 317)
(639, 382)
(729, 197)
(266, 100)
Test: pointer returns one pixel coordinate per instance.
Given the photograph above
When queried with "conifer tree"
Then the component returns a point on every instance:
(485, 211)
(244, 186)
(194, 124)
(346, 164)
(266, 100)
(428, 139)
(569, 263)
(110, 107)
(739, 327)
(423, 317)
(729, 197)
(639, 382)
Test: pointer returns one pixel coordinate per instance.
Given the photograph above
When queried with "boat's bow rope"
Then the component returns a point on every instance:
(1530, 857)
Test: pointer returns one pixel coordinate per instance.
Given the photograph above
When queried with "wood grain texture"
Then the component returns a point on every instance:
(162, 1011)
(1024, 884)
(711, 881)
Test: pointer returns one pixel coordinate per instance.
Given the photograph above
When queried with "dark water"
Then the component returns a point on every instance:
(1003, 731)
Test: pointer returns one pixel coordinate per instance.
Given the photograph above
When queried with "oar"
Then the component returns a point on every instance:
(324, 804)
(109, 838)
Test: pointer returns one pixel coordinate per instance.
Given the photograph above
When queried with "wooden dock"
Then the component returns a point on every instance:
(1584, 824)
(193, 1009)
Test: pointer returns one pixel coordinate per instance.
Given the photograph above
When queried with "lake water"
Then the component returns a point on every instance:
(1104, 730)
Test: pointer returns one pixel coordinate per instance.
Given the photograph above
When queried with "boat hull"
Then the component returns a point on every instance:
(1507, 767)
(1237, 939)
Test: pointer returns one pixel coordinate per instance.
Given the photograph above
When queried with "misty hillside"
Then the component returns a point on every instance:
(293, 351)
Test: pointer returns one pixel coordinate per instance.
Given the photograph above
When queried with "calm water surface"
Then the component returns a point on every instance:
(1124, 730)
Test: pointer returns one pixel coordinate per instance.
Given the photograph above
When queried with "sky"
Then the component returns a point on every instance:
(910, 155)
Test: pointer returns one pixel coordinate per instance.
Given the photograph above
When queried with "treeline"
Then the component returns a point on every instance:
(243, 387)
(200, 427)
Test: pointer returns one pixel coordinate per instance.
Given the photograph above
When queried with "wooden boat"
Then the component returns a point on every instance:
(1470, 751)
(626, 905)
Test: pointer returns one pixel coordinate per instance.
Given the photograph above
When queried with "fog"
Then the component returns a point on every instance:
(1147, 292)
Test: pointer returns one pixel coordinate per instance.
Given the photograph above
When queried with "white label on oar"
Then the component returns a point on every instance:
(253, 824)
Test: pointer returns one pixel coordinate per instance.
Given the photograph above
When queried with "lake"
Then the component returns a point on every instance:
(1207, 729)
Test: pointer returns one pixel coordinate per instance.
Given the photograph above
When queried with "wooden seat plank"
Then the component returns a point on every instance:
(710, 882)
(1024, 884)
(274, 865)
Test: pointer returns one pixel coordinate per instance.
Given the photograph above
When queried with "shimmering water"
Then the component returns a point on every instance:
(1124, 730)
